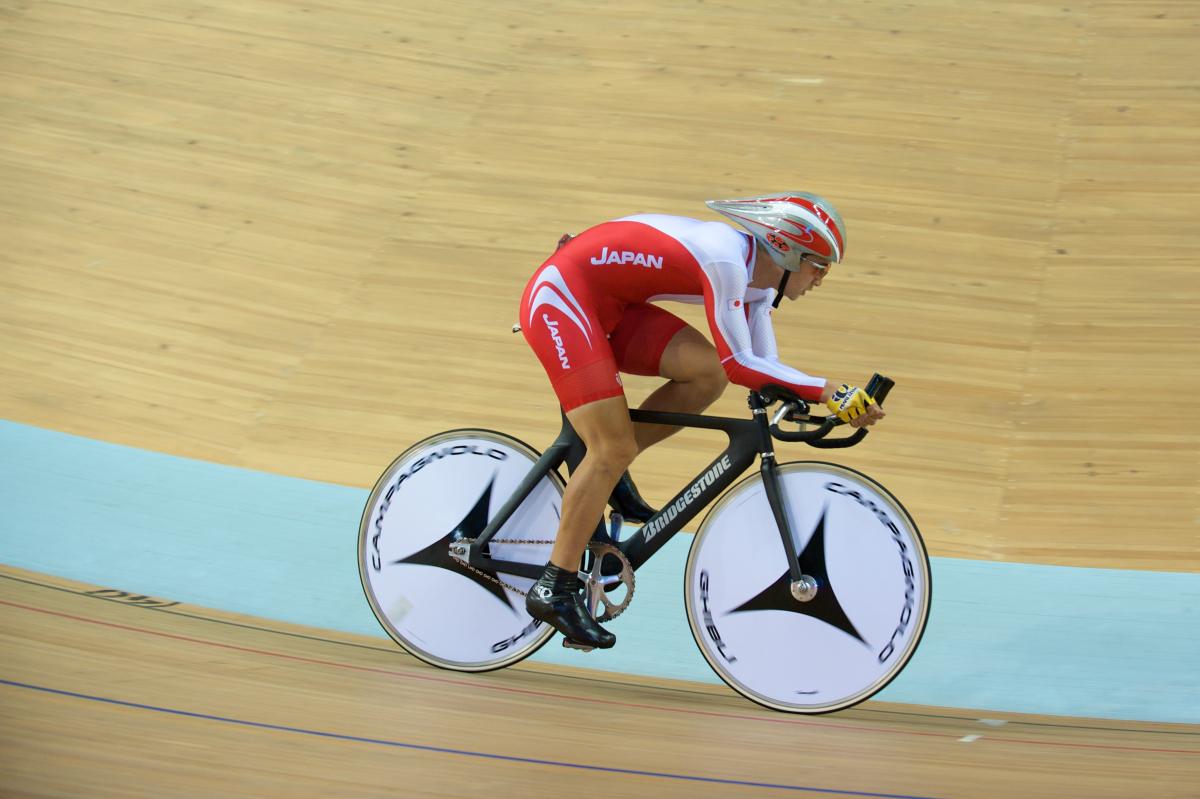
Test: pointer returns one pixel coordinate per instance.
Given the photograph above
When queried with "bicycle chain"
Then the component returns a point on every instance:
(484, 574)
(619, 608)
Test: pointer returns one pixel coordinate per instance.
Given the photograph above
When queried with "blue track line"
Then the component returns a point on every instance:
(462, 752)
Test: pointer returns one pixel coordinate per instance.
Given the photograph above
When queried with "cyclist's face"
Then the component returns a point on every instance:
(810, 274)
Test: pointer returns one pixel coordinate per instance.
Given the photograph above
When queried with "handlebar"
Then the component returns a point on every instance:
(797, 411)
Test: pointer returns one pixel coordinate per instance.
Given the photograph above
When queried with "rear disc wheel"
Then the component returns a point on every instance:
(441, 490)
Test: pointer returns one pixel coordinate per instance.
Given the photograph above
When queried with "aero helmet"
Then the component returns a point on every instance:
(789, 225)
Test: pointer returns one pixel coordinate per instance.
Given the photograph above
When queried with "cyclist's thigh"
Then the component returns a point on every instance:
(642, 336)
(564, 331)
(651, 341)
(691, 356)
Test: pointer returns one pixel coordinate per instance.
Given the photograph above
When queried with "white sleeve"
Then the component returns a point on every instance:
(762, 334)
(740, 352)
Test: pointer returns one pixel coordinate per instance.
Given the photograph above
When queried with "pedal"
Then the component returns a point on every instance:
(569, 644)
(615, 524)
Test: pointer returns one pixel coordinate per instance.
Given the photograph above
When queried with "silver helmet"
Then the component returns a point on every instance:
(790, 225)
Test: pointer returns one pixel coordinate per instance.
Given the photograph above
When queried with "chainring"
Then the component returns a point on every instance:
(598, 585)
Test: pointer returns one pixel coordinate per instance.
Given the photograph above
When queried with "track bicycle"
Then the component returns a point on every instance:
(807, 586)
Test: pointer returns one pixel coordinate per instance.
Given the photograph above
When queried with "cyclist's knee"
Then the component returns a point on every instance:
(613, 454)
(607, 432)
(692, 360)
(712, 382)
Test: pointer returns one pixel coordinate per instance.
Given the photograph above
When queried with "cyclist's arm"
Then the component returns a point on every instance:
(724, 303)
(762, 333)
(762, 339)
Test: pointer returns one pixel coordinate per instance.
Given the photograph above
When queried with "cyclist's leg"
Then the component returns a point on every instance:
(569, 340)
(652, 341)
(607, 432)
(695, 380)
(608, 435)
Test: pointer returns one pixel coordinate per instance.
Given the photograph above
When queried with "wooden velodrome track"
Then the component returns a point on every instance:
(292, 236)
(213, 705)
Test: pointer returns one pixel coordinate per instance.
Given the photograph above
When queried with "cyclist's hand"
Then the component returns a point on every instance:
(852, 404)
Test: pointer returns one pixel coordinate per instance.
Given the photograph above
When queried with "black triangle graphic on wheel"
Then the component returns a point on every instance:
(437, 554)
(824, 606)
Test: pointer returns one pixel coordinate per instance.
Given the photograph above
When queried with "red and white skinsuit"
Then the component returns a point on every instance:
(587, 314)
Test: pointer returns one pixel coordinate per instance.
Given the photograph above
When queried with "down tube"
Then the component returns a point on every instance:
(688, 503)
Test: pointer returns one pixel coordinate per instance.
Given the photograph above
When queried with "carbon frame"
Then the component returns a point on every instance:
(748, 439)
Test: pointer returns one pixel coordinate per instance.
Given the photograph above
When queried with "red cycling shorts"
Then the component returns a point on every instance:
(584, 341)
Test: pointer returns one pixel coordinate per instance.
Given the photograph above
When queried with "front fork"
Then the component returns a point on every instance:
(803, 587)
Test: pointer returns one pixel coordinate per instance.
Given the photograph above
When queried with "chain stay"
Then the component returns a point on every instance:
(468, 541)
(594, 583)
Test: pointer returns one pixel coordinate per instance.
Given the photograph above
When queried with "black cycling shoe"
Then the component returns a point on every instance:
(555, 600)
(626, 501)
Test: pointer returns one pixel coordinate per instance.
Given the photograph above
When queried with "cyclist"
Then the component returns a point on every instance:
(588, 315)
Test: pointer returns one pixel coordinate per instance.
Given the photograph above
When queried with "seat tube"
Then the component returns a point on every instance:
(555, 454)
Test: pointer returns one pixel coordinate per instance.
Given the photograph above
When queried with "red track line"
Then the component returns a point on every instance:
(457, 682)
(571, 698)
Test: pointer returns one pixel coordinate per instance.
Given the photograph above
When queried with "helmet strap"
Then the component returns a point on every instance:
(782, 285)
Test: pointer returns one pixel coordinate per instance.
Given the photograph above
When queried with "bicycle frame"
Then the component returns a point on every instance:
(748, 439)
